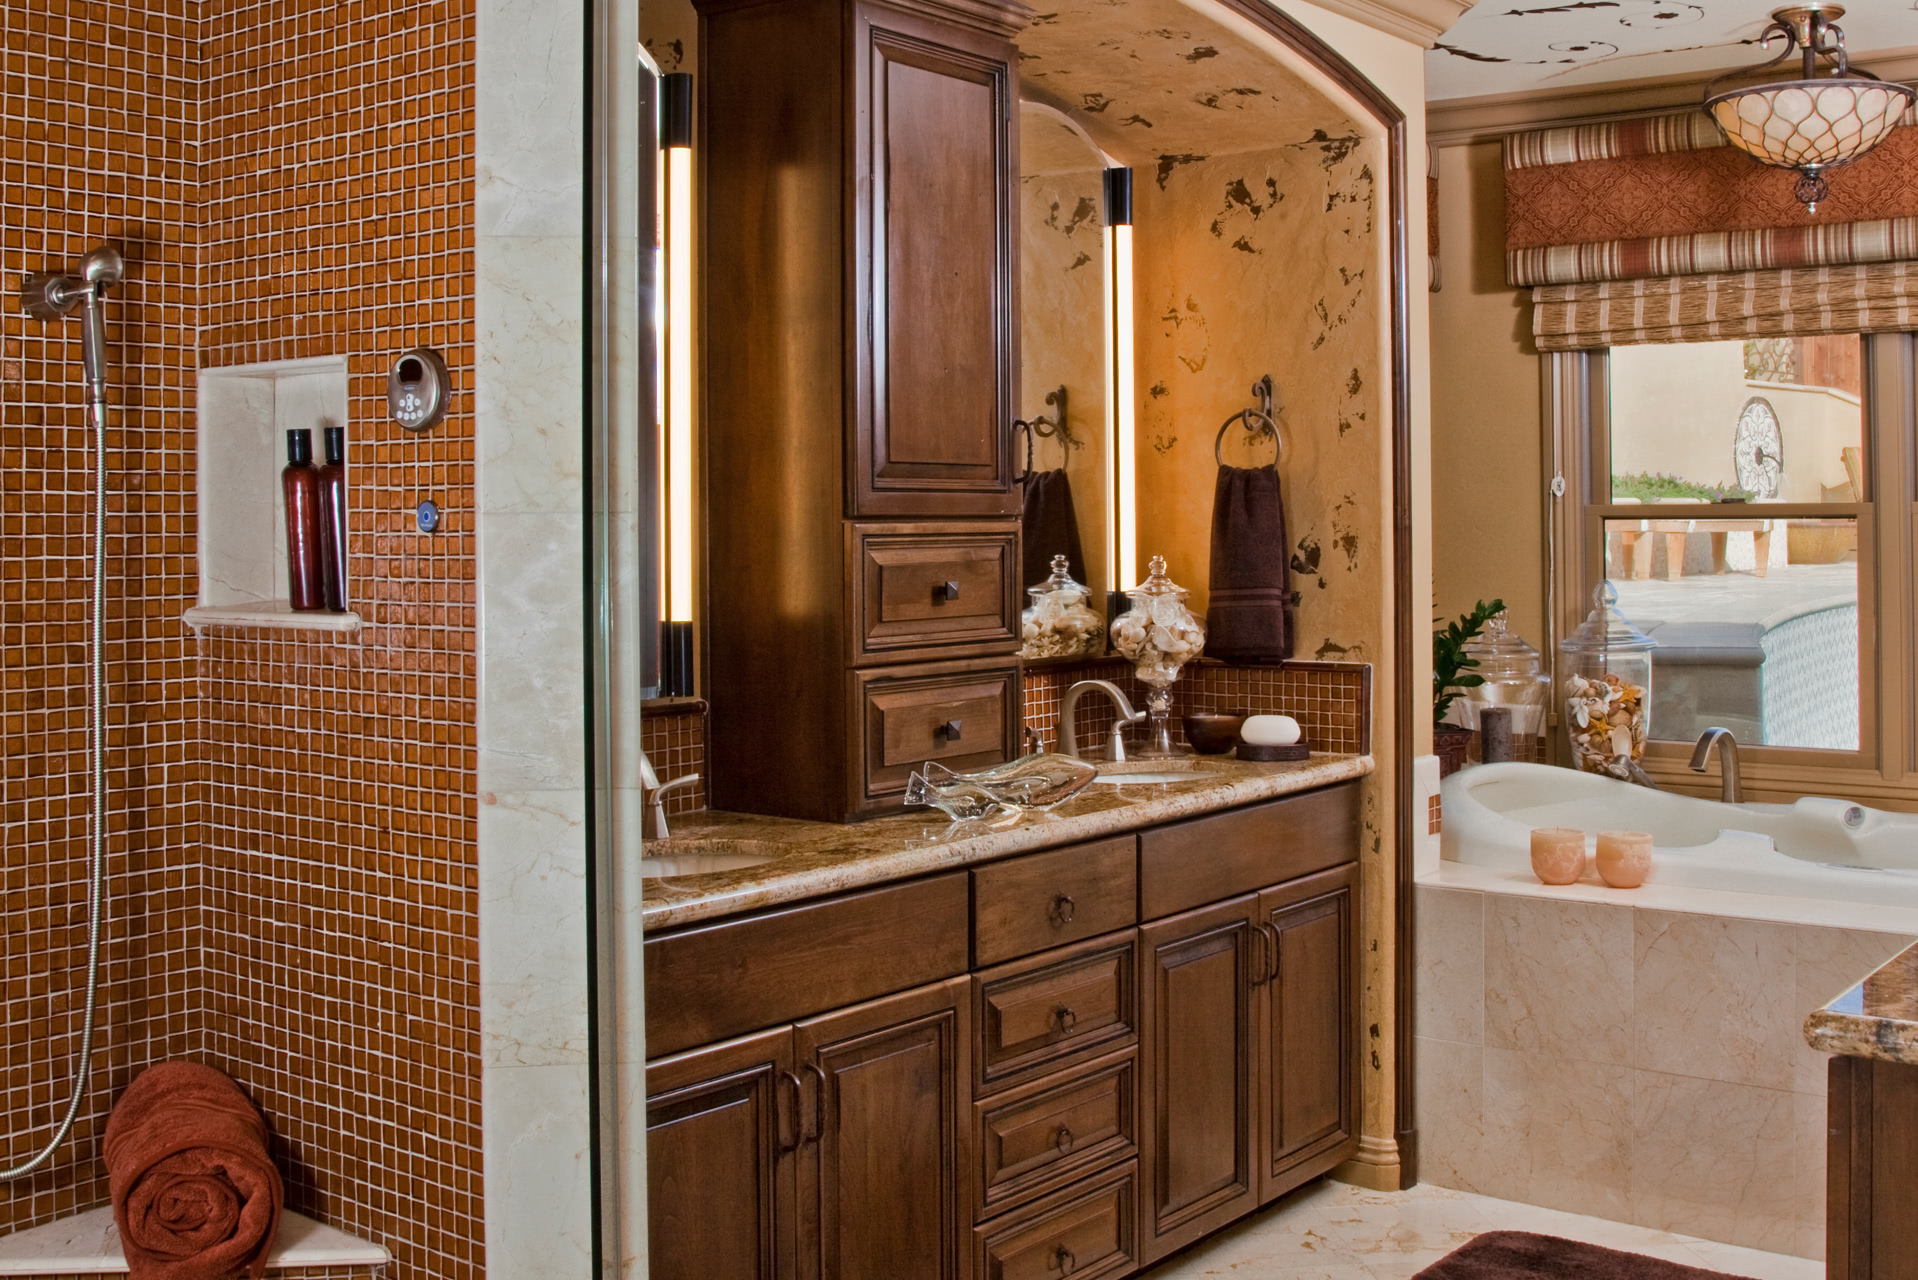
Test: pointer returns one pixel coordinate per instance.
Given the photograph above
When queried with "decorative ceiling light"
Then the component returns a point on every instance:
(1813, 123)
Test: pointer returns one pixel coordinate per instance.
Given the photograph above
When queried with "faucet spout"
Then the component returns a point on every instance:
(1731, 787)
(1069, 711)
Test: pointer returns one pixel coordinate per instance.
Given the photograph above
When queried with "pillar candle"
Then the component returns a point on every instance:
(1624, 858)
(1558, 854)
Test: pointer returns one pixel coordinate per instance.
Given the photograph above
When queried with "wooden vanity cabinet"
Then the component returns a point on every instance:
(1072, 1105)
(858, 165)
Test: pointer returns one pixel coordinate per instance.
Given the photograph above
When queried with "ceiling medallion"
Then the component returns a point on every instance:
(1813, 123)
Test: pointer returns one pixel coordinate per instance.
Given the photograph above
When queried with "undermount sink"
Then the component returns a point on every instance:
(702, 855)
(1142, 772)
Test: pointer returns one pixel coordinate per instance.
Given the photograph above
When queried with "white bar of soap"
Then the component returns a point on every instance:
(1270, 731)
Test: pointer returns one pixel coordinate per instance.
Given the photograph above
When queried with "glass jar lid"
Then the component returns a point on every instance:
(1157, 584)
(1502, 655)
(1060, 581)
(1605, 629)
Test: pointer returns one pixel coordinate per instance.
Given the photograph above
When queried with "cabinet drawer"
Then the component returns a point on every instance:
(931, 590)
(964, 715)
(1188, 864)
(711, 982)
(1045, 900)
(1037, 1015)
(1043, 1134)
(1086, 1232)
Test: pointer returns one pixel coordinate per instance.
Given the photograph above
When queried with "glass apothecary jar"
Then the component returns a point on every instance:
(1515, 678)
(1158, 635)
(1059, 623)
(1608, 689)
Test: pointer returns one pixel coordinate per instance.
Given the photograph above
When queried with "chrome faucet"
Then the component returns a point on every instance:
(1731, 787)
(1069, 710)
(654, 826)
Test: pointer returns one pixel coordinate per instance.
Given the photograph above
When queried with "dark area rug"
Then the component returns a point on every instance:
(1520, 1255)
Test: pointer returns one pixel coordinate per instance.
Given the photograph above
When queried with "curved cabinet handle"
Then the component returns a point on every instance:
(818, 1101)
(1270, 933)
(1064, 1019)
(798, 1091)
(1062, 1261)
(1062, 1140)
(1062, 910)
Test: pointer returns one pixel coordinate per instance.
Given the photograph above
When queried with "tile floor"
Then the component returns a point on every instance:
(1334, 1231)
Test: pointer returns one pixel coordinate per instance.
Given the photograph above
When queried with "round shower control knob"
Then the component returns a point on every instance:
(428, 516)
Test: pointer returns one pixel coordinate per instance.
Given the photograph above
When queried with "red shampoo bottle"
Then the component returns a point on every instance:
(300, 482)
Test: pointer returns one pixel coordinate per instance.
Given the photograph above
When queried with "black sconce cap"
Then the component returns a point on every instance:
(1118, 184)
(676, 110)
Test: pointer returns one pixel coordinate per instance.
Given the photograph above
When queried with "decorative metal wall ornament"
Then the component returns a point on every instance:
(1814, 123)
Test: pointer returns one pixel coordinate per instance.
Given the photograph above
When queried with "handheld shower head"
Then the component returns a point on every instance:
(103, 268)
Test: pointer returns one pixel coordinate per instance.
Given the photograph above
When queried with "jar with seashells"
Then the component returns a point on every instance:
(1158, 635)
(1059, 623)
(1608, 690)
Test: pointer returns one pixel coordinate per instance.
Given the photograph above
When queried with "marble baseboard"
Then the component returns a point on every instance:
(1642, 1065)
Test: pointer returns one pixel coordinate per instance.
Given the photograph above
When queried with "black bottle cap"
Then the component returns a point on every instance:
(335, 444)
(299, 447)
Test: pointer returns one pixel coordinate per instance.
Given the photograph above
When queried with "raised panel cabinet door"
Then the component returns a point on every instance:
(936, 342)
(1308, 1029)
(721, 1126)
(1197, 1032)
(885, 1180)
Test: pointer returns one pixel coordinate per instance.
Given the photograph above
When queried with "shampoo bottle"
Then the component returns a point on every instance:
(333, 519)
(300, 482)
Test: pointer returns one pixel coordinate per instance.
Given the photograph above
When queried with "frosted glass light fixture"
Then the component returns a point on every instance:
(1122, 503)
(1814, 123)
(676, 386)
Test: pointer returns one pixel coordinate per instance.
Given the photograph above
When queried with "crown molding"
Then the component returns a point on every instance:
(1420, 21)
(1454, 122)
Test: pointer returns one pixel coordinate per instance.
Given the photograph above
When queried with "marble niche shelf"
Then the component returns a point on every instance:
(89, 1244)
(244, 413)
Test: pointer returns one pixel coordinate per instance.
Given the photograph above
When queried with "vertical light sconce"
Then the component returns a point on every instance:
(1122, 534)
(677, 521)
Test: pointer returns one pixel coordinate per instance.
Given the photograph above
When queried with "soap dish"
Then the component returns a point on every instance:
(1273, 754)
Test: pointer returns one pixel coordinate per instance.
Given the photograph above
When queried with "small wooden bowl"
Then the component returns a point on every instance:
(1212, 733)
(1272, 754)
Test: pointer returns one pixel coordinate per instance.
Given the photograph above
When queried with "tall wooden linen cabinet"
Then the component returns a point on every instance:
(859, 169)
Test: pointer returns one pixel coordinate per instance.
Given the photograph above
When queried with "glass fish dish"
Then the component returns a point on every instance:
(1041, 781)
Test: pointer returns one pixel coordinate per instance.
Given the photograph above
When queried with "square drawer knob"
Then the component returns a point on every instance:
(952, 730)
(945, 592)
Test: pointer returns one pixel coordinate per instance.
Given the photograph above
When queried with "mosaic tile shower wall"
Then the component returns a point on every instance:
(78, 169)
(293, 840)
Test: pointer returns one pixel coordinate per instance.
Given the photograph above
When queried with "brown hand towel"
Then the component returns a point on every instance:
(1247, 617)
(1050, 528)
(195, 1194)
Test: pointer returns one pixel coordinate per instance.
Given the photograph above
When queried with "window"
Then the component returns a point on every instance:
(1751, 502)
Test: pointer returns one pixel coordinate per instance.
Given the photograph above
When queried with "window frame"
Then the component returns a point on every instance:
(1576, 404)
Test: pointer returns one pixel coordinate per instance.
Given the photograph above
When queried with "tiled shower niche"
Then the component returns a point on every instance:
(244, 413)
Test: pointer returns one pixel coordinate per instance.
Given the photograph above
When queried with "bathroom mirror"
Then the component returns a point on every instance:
(1063, 376)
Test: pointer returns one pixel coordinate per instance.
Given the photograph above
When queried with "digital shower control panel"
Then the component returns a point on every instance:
(416, 389)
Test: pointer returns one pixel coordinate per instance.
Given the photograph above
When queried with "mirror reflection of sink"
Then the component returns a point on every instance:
(702, 855)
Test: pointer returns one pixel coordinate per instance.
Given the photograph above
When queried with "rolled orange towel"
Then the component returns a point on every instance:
(195, 1194)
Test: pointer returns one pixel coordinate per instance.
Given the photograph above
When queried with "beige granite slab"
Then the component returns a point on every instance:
(1878, 1018)
(813, 859)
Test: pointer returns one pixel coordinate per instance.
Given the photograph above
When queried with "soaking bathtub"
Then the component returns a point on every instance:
(1816, 848)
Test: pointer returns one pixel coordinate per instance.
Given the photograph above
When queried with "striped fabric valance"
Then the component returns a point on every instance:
(1719, 305)
(1666, 195)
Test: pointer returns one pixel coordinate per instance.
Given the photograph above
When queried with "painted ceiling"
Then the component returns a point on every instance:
(1506, 46)
(1152, 78)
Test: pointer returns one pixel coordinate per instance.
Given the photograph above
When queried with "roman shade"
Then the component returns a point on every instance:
(1657, 230)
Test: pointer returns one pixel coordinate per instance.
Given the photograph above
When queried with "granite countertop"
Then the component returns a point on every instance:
(1878, 1018)
(813, 859)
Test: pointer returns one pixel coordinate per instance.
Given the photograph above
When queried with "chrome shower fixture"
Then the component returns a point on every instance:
(48, 297)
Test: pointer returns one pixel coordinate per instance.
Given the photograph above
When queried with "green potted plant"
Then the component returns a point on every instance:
(1451, 676)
